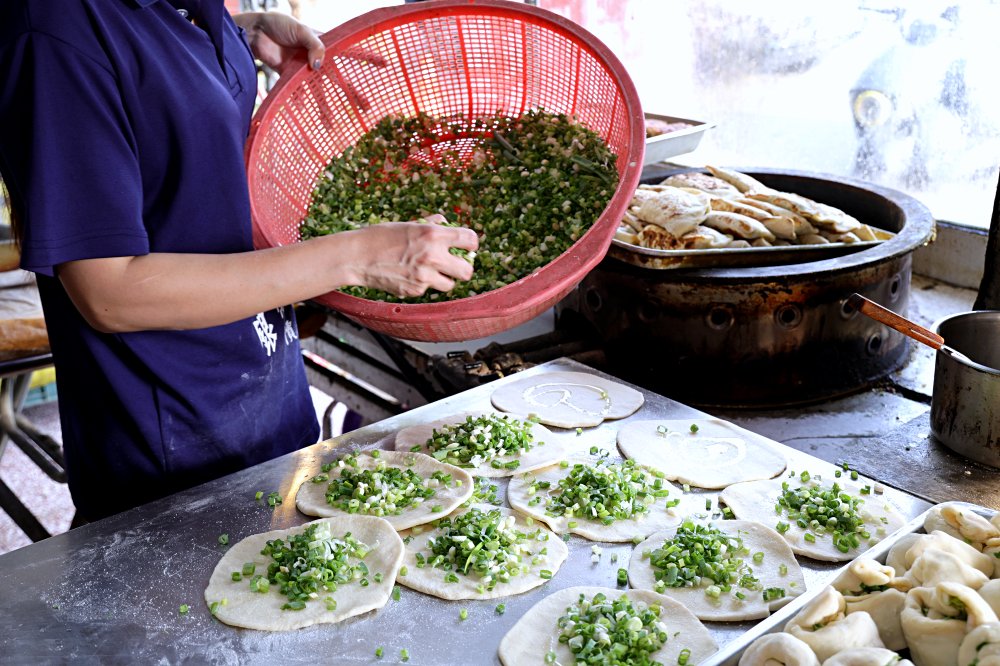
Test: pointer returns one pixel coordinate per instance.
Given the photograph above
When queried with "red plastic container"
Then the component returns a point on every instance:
(458, 58)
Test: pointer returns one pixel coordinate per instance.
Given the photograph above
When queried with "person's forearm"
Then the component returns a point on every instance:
(186, 291)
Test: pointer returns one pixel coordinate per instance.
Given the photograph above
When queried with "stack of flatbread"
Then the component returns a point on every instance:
(729, 209)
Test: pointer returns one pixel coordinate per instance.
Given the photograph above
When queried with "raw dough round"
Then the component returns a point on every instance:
(658, 518)
(568, 399)
(430, 580)
(255, 610)
(718, 454)
(757, 538)
(537, 632)
(755, 500)
(539, 455)
(311, 497)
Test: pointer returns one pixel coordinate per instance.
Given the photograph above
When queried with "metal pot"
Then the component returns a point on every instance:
(965, 407)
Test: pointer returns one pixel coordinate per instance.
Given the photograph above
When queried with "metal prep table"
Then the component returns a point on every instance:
(109, 592)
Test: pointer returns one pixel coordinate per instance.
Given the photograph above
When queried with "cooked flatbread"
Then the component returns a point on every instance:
(676, 210)
(537, 632)
(704, 238)
(659, 517)
(311, 496)
(735, 206)
(255, 610)
(718, 454)
(834, 219)
(756, 500)
(740, 181)
(431, 580)
(547, 448)
(727, 607)
(658, 238)
(704, 182)
(567, 399)
(738, 225)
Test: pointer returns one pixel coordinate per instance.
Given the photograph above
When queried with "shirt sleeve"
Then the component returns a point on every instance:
(68, 155)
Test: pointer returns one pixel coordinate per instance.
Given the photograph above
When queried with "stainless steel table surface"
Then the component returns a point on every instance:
(109, 592)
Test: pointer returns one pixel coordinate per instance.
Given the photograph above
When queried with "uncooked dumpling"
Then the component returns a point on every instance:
(778, 649)
(936, 619)
(764, 570)
(537, 633)
(499, 457)
(542, 495)
(981, 646)
(567, 399)
(707, 453)
(533, 555)
(961, 522)
(390, 476)
(867, 656)
(756, 500)
(824, 625)
(370, 546)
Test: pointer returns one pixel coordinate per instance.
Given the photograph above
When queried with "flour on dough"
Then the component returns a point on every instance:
(712, 454)
(568, 399)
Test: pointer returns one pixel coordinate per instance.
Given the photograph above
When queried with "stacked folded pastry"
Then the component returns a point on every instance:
(937, 598)
(729, 209)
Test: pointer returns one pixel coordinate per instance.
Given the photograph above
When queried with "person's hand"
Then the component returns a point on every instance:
(276, 38)
(407, 259)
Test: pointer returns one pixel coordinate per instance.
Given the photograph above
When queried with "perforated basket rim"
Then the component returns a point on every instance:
(571, 265)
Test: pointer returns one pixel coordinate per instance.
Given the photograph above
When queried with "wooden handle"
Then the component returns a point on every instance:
(893, 320)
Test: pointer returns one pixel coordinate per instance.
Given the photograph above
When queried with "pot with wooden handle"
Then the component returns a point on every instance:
(965, 404)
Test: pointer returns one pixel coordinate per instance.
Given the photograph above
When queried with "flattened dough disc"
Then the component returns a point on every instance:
(311, 497)
(537, 632)
(540, 455)
(658, 518)
(717, 455)
(568, 399)
(757, 538)
(430, 580)
(755, 500)
(255, 610)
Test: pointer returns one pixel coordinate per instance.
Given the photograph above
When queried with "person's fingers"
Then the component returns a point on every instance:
(308, 40)
(456, 267)
(465, 238)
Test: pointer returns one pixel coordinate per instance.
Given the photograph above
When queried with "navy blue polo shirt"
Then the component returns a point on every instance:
(122, 126)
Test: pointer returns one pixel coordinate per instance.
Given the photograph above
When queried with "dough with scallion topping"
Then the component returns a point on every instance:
(367, 551)
(855, 529)
(751, 558)
(680, 636)
(568, 399)
(482, 552)
(707, 453)
(491, 454)
(405, 488)
(618, 486)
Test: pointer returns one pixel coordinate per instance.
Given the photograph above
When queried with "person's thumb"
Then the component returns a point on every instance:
(314, 46)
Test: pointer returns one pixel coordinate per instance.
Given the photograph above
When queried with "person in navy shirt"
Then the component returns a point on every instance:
(122, 127)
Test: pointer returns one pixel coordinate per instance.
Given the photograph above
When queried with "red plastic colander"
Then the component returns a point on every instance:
(454, 58)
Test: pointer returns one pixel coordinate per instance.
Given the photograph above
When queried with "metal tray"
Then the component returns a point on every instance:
(730, 654)
(730, 257)
(671, 144)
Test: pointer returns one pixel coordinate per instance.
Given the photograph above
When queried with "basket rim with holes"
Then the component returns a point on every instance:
(594, 87)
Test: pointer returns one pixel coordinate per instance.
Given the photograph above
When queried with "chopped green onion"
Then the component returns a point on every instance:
(463, 614)
(501, 609)
(481, 439)
(237, 576)
(259, 494)
(772, 593)
(683, 656)
(395, 593)
(694, 427)
(622, 576)
(223, 539)
(184, 609)
(404, 654)
(248, 569)
(379, 652)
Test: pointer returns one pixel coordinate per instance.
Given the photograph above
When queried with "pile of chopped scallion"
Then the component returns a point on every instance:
(481, 439)
(382, 491)
(529, 186)
(704, 556)
(310, 565)
(602, 492)
(611, 633)
(484, 544)
(822, 510)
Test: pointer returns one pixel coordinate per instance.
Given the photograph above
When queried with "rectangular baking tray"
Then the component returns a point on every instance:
(724, 257)
(730, 654)
(672, 144)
